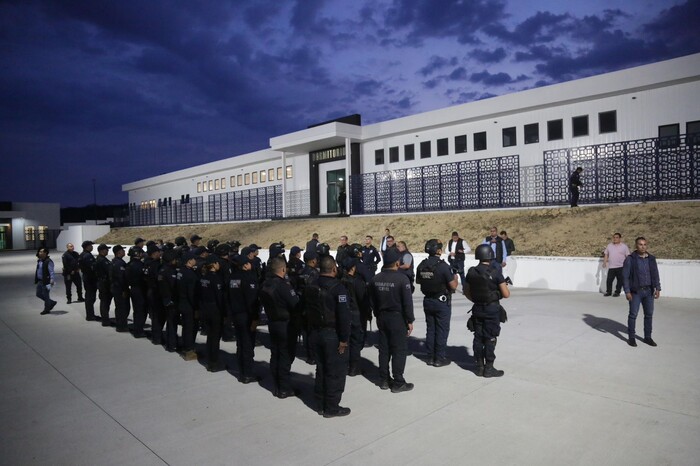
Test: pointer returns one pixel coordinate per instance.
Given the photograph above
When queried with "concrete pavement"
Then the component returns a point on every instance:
(574, 393)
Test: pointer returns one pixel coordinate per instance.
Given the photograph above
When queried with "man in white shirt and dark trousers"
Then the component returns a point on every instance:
(615, 255)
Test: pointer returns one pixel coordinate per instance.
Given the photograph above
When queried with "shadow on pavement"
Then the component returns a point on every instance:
(605, 325)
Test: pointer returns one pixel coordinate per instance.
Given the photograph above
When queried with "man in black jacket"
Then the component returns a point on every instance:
(87, 267)
(120, 289)
(71, 273)
(102, 266)
(575, 186)
(187, 303)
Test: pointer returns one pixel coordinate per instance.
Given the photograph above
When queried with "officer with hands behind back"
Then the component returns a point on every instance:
(485, 286)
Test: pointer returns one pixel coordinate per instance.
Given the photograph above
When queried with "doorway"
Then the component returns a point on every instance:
(335, 188)
(4, 236)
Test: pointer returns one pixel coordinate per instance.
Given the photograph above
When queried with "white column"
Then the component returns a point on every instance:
(284, 184)
(347, 175)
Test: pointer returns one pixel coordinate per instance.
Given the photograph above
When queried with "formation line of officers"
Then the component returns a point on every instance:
(224, 292)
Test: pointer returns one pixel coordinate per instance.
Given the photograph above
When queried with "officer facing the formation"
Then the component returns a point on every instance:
(279, 300)
(485, 286)
(120, 289)
(437, 282)
(102, 266)
(327, 305)
(137, 286)
(390, 293)
(71, 273)
(87, 267)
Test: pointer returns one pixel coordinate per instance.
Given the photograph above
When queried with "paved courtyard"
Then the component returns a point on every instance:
(574, 392)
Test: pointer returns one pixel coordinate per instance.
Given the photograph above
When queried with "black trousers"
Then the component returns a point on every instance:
(612, 275)
(138, 302)
(308, 336)
(357, 338)
(487, 328)
(393, 345)
(122, 308)
(70, 280)
(245, 343)
(188, 330)
(171, 323)
(157, 311)
(331, 370)
(574, 193)
(90, 298)
(105, 301)
(211, 316)
(280, 360)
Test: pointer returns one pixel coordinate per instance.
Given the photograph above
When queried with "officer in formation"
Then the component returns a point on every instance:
(390, 293)
(309, 275)
(358, 304)
(102, 267)
(119, 288)
(243, 299)
(485, 286)
(87, 267)
(71, 273)
(437, 282)
(187, 302)
(137, 290)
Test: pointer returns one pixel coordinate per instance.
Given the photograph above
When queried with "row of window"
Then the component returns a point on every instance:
(30, 233)
(669, 134)
(607, 123)
(244, 179)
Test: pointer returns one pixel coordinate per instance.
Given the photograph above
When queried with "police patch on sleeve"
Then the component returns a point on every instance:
(408, 286)
(342, 298)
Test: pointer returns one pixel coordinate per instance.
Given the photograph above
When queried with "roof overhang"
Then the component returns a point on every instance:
(317, 138)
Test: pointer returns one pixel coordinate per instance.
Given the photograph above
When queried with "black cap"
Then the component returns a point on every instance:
(87, 243)
(135, 250)
(254, 247)
(211, 260)
(222, 249)
(199, 251)
(295, 250)
(180, 241)
(151, 249)
(116, 248)
(245, 251)
(391, 256)
(310, 255)
(240, 260)
(102, 246)
(139, 240)
(350, 262)
(169, 255)
(186, 257)
(194, 238)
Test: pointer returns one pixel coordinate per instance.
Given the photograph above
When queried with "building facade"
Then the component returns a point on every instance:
(29, 225)
(634, 131)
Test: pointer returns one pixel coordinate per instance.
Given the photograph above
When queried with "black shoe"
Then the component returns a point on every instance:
(68, 301)
(354, 371)
(80, 300)
(336, 412)
(311, 361)
(53, 304)
(122, 329)
(384, 385)
(430, 362)
(632, 341)
(404, 387)
(140, 335)
(607, 294)
(169, 349)
(441, 362)
(650, 342)
(249, 379)
(480, 371)
(44, 312)
(616, 294)
(491, 371)
(215, 367)
(282, 394)
(106, 324)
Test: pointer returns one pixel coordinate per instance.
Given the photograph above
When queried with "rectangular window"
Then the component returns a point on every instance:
(480, 141)
(271, 174)
(425, 150)
(532, 133)
(394, 154)
(255, 177)
(289, 171)
(443, 147)
(223, 183)
(379, 157)
(607, 122)
(204, 186)
(247, 179)
(232, 181)
(211, 185)
(692, 133)
(460, 144)
(579, 125)
(217, 184)
(43, 231)
(509, 137)
(263, 176)
(199, 186)
(409, 152)
(239, 180)
(29, 234)
(555, 130)
(668, 136)
(279, 173)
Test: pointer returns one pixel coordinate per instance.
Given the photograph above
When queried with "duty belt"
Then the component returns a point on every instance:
(442, 297)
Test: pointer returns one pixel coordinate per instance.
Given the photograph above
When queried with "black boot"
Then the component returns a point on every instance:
(491, 371)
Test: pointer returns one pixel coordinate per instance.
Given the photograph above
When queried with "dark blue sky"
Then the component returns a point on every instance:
(124, 90)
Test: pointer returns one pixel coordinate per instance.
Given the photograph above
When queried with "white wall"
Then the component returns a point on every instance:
(76, 234)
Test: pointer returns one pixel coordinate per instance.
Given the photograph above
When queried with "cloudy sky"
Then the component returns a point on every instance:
(123, 90)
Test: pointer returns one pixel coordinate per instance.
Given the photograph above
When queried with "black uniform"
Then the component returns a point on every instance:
(434, 276)
(212, 307)
(120, 292)
(87, 267)
(71, 274)
(167, 282)
(155, 304)
(309, 275)
(331, 329)
(243, 305)
(341, 254)
(102, 266)
(187, 280)
(295, 266)
(390, 292)
(483, 283)
(279, 300)
(574, 187)
(137, 285)
(358, 299)
(371, 257)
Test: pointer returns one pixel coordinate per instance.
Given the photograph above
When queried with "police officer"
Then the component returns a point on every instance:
(309, 275)
(343, 252)
(102, 266)
(87, 267)
(357, 300)
(187, 303)
(322, 249)
(437, 283)
(370, 255)
(195, 241)
(137, 290)
(328, 308)
(294, 266)
(390, 292)
(167, 281)
(71, 273)
(120, 289)
(151, 267)
(211, 306)
(279, 300)
(245, 313)
(484, 287)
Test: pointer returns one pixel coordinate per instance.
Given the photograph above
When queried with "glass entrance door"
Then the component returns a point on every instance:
(335, 186)
(3, 237)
